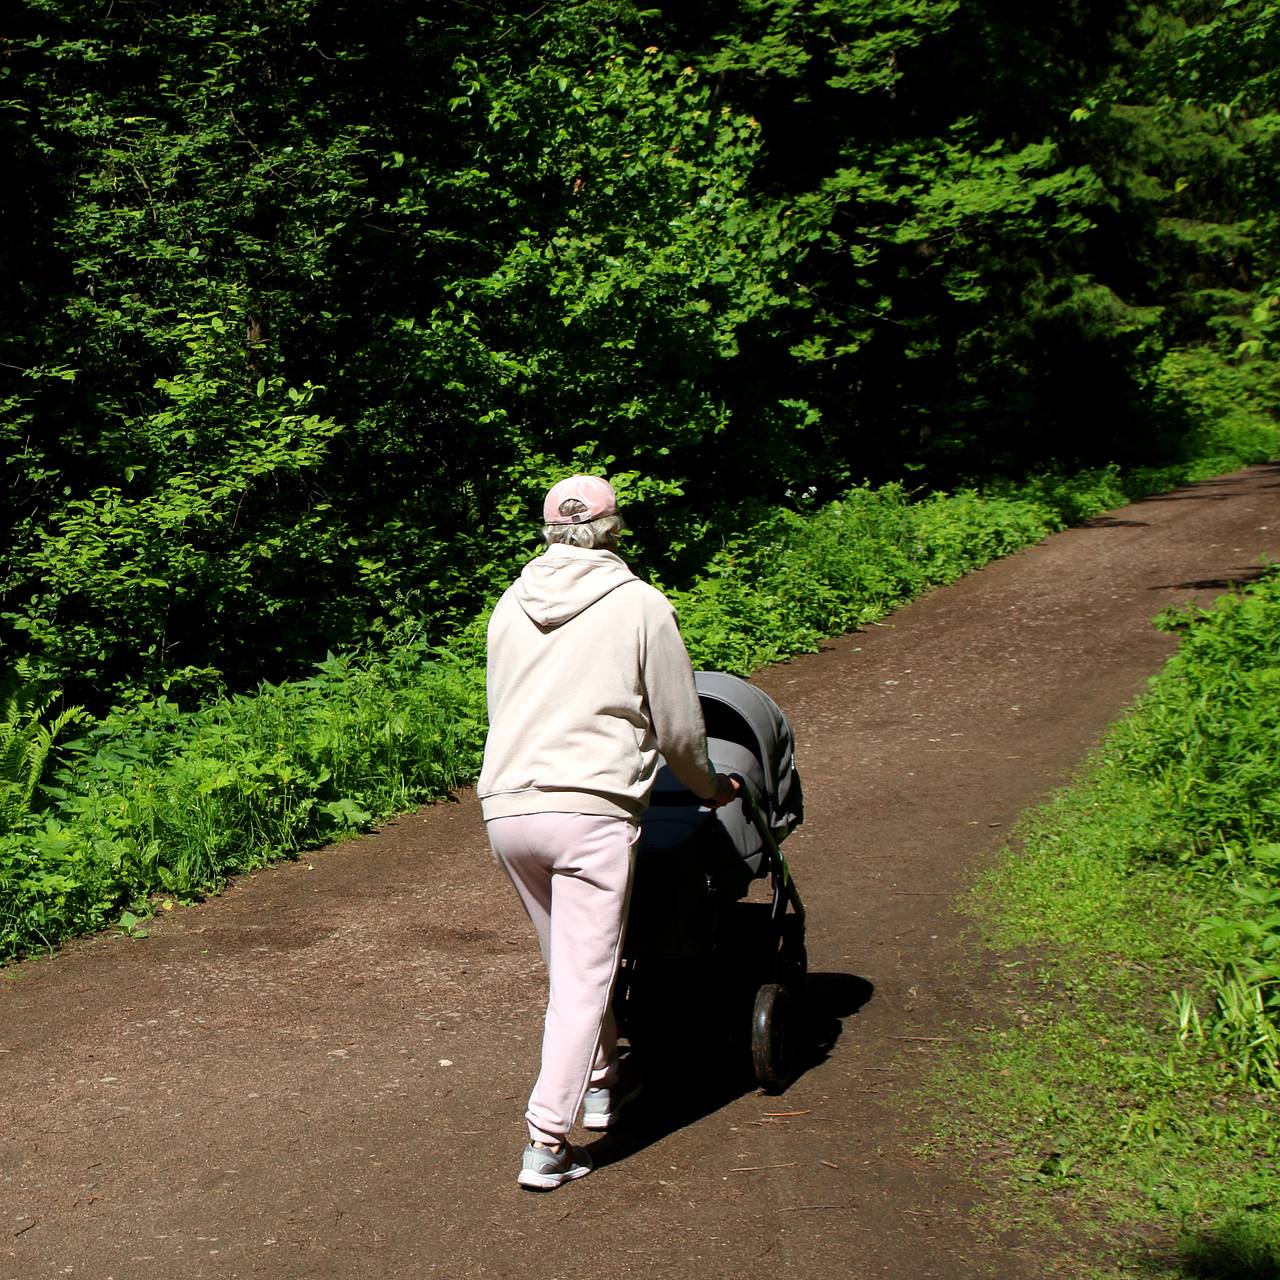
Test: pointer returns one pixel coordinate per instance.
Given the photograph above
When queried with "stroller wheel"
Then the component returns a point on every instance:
(771, 1036)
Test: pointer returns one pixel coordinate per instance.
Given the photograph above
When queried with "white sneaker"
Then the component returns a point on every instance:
(602, 1108)
(543, 1169)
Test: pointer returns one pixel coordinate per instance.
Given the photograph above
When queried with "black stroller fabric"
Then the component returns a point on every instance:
(690, 859)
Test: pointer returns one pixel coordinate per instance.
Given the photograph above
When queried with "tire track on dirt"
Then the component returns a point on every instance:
(321, 1073)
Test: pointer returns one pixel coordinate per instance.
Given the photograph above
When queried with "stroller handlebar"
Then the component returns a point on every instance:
(748, 797)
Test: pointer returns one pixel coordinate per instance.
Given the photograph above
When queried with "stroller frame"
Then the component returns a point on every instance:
(774, 1015)
(784, 888)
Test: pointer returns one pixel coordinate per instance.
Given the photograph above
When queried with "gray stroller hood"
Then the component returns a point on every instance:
(730, 705)
(747, 735)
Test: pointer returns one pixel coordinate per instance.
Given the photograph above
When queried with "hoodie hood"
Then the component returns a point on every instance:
(565, 581)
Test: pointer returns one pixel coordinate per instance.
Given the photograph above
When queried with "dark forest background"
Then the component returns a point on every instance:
(303, 302)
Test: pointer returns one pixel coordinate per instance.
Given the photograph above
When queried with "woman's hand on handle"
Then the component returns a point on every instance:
(727, 789)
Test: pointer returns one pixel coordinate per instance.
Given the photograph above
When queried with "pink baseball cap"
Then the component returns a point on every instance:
(593, 492)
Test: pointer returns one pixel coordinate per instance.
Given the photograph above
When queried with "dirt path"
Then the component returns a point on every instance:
(321, 1073)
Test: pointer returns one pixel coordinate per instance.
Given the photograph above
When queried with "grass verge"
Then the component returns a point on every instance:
(1134, 1084)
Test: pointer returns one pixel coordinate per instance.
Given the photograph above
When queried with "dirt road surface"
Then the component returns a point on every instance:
(321, 1072)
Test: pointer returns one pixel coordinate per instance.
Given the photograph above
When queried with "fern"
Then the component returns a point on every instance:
(25, 739)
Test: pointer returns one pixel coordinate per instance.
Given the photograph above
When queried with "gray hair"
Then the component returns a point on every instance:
(594, 535)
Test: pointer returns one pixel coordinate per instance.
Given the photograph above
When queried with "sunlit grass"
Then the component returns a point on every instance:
(1130, 1086)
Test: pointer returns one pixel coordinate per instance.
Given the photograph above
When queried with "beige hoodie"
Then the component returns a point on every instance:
(588, 680)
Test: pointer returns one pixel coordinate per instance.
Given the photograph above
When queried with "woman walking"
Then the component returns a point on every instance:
(588, 682)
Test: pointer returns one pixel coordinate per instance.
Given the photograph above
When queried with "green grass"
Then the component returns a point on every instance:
(1131, 1090)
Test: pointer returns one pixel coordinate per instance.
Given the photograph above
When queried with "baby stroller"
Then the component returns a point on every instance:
(694, 865)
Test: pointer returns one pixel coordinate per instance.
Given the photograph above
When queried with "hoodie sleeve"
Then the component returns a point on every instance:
(674, 708)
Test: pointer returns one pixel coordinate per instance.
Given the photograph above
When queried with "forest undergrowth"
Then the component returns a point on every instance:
(1132, 1087)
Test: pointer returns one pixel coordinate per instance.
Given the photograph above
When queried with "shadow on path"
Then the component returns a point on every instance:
(1236, 1251)
(1239, 577)
(692, 1041)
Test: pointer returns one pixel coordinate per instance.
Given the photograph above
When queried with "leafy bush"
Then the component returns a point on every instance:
(155, 799)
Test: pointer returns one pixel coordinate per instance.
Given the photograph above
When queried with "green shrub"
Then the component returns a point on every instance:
(155, 799)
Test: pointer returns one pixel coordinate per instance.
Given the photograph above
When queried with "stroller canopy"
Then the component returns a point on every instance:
(737, 712)
(749, 736)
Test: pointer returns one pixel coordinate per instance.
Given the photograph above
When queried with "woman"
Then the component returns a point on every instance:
(588, 682)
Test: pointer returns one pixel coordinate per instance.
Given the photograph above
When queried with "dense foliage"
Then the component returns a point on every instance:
(1142, 1076)
(302, 302)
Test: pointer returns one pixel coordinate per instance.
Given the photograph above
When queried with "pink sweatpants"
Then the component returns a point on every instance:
(573, 874)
